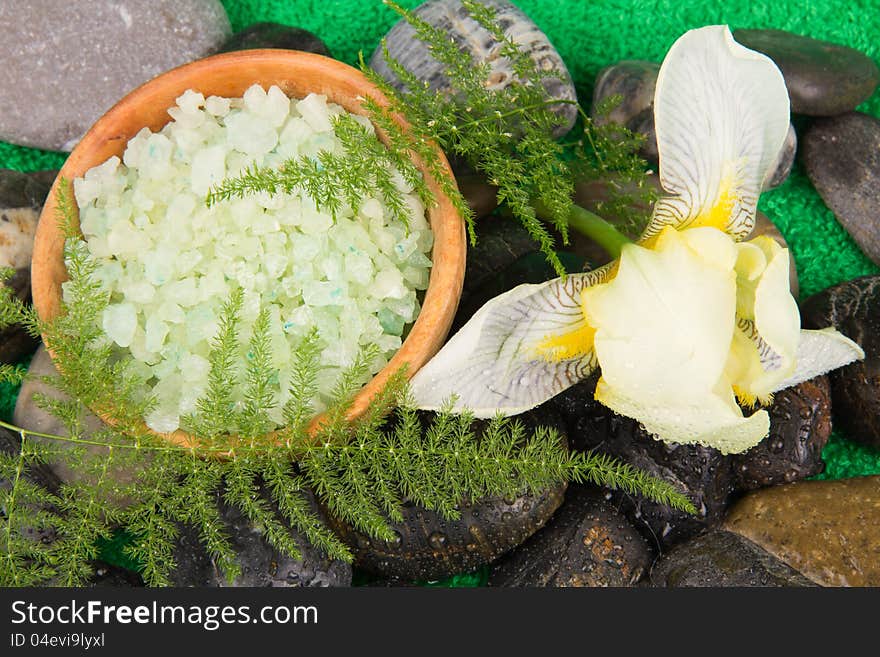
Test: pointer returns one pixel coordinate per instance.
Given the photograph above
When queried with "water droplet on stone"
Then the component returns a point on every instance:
(507, 516)
(437, 540)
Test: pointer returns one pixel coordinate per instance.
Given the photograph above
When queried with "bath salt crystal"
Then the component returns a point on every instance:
(119, 323)
(169, 262)
(217, 105)
(313, 109)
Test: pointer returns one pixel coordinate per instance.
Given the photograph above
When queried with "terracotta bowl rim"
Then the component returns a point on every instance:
(429, 330)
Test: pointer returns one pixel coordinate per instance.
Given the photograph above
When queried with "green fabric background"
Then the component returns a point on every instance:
(590, 34)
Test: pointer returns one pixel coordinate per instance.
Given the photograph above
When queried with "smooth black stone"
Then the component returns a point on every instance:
(587, 542)
(429, 547)
(16, 343)
(703, 474)
(275, 35)
(853, 308)
(842, 159)
(261, 564)
(720, 558)
(823, 78)
(800, 425)
(634, 81)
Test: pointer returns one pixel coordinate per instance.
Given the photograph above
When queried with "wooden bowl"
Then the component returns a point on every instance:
(229, 75)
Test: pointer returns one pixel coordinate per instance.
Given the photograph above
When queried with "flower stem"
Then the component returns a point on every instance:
(594, 227)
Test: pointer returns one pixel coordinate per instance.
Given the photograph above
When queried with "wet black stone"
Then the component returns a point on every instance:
(587, 542)
(107, 575)
(720, 558)
(823, 78)
(703, 474)
(428, 547)
(634, 81)
(842, 159)
(800, 425)
(261, 565)
(853, 308)
(275, 35)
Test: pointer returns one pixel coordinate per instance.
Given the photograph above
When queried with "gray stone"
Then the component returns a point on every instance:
(64, 66)
(30, 416)
(719, 558)
(823, 78)
(261, 564)
(450, 16)
(275, 35)
(853, 308)
(842, 157)
(587, 542)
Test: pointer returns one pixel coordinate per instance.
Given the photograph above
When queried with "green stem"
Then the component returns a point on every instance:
(593, 226)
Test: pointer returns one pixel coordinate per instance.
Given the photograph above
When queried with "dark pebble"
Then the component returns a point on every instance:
(703, 474)
(587, 542)
(719, 558)
(428, 547)
(800, 425)
(823, 78)
(853, 308)
(275, 35)
(842, 159)
(634, 81)
(21, 198)
(261, 564)
(781, 168)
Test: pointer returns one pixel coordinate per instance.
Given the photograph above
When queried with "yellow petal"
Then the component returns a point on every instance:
(517, 351)
(665, 322)
(712, 419)
(764, 349)
(722, 114)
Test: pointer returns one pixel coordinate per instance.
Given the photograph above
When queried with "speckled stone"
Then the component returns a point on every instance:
(800, 425)
(474, 41)
(64, 67)
(275, 35)
(853, 307)
(827, 530)
(841, 155)
(587, 542)
(823, 78)
(428, 547)
(719, 558)
(21, 199)
(261, 565)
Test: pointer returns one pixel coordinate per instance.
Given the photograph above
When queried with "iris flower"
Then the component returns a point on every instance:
(690, 320)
